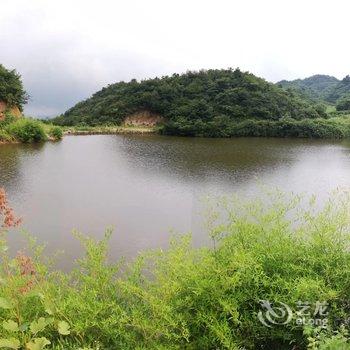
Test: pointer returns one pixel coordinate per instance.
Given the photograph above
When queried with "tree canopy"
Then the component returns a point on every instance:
(321, 88)
(194, 97)
(343, 103)
(11, 88)
(317, 87)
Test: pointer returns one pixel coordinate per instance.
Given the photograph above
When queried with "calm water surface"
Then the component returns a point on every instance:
(148, 187)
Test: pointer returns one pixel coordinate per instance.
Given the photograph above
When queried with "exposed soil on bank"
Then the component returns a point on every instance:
(143, 119)
(11, 110)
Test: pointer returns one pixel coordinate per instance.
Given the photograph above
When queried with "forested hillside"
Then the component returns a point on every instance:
(193, 101)
(316, 87)
(341, 90)
(321, 88)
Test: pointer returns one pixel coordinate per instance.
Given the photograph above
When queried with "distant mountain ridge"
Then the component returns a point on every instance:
(319, 87)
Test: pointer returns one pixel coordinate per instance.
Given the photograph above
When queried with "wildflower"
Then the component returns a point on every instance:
(8, 218)
(26, 269)
(25, 264)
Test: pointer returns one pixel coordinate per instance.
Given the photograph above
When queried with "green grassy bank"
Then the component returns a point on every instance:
(108, 130)
(27, 130)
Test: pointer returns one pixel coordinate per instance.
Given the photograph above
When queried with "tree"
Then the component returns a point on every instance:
(343, 104)
(11, 88)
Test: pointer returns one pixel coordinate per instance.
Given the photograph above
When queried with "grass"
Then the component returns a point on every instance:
(27, 130)
(93, 130)
(280, 249)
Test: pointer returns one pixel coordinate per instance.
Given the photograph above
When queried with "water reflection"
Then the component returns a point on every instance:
(147, 185)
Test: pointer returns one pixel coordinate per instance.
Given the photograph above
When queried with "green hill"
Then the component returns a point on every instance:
(321, 88)
(192, 101)
(316, 87)
(341, 90)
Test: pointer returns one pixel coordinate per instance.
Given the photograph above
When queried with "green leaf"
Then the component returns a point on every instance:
(11, 343)
(48, 304)
(24, 326)
(10, 326)
(5, 303)
(49, 307)
(63, 328)
(39, 325)
(38, 344)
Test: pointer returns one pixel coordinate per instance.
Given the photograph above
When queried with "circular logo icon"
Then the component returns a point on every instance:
(277, 314)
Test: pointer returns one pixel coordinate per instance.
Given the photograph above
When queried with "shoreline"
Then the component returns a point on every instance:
(109, 131)
(94, 131)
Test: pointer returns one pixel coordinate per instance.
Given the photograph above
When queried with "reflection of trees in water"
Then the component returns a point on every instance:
(12, 169)
(196, 160)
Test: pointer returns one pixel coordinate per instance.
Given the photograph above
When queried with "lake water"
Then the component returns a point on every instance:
(148, 187)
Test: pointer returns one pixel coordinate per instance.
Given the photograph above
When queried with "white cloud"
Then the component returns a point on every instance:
(66, 50)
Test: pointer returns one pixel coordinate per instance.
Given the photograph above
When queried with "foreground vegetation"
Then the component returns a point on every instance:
(281, 249)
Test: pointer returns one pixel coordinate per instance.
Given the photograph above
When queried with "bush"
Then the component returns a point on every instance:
(333, 128)
(281, 249)
(5, 137)
(56, 133)
(27, 130)
(7, 120)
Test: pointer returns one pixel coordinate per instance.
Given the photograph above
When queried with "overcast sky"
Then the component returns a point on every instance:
(65, 50)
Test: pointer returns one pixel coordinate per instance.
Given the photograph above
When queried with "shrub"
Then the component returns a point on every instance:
(56, 133)
(27, 130)
(7, 120)
(280, 249)
(5, 137)
(333, 128)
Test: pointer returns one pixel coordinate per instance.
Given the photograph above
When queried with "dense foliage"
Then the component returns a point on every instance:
(340, 90)
(279, 249)
(11, 88)
(322, 88)
(26, 130)
(317, 87)
(56, 133)
(343, 104)
(194, 97)
(332, 128)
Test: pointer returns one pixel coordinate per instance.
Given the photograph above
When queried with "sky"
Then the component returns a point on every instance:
(68, 49)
